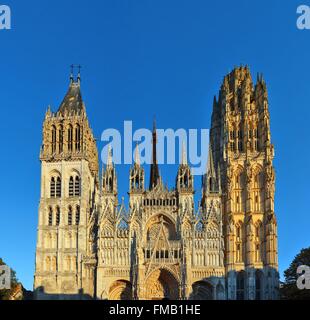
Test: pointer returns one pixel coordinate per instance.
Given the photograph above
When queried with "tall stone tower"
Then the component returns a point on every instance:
(242, 150)
(65, 258)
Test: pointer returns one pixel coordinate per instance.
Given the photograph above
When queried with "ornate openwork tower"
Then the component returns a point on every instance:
(242, 150)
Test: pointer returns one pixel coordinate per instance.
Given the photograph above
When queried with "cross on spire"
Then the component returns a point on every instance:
(78, 69)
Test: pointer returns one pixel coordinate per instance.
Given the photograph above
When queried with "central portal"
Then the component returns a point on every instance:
(162, 285)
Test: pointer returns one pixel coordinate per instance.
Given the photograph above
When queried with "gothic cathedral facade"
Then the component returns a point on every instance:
(90, 246)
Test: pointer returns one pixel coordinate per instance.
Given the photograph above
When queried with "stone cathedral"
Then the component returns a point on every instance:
(163, 246)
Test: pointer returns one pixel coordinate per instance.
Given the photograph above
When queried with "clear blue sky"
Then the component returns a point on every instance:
(142, 57)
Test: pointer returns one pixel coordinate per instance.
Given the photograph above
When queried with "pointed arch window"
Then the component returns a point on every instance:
(53, 139)
(70, 216)
(239, 244)
(110, 184)
(58, 187)
(53, 188)
(71, 187)
(70, 138)
(77, 138)
(239, 192)
(50, 216)
(250, 134)
(258, 242)
(232, 136)
(258, 193)
(254, 137)
(240, 141)
(77, 215)
(233, 146)
(61, 139)
(57, 216)
(77, 187)
(137, 184)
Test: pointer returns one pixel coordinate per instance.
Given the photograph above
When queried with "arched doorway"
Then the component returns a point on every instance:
(240, 285)
(162, 285)
(201, 291)
(120, 290)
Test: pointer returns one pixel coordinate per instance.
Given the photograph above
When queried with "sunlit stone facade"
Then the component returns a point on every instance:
(163, 246)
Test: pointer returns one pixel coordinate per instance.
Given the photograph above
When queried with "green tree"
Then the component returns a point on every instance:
(5, 294)
(289, 290)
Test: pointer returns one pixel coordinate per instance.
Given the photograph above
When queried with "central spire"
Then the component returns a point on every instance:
(154, 177)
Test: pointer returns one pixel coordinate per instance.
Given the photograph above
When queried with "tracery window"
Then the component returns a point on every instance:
(77, 189)
(71, 187)
(77, 215)
(78, 138)
(61, 139)
(239, 193)
(55, 186)
(70, 138)
(57, 216)
(58, 187)
(50, 216)
(258, 193)
(53, 139)
(239, 243)
(70, 216)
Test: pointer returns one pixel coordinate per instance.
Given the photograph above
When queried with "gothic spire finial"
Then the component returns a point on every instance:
(210, 176)
(137, 155)
(210, 165)
(110, 157)
(184, 154)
